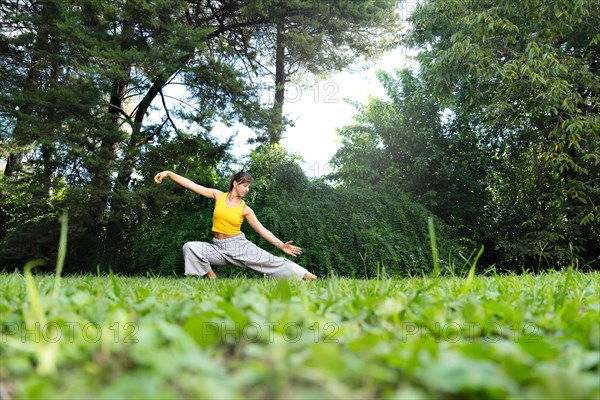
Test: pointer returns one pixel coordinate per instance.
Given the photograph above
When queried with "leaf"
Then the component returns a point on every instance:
(434, 250)
(454, 373)
(204, 332)
(238, 317)
(283, 291)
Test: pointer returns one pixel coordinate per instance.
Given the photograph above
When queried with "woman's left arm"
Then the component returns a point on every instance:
(268, 235)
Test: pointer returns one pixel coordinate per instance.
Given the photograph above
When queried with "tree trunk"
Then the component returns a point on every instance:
(47, 152)
(14, 163)
(276, 128)
(119, 200)
(101, 184)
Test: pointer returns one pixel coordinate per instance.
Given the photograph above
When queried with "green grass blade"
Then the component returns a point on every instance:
(32, 291)
(116, 288)
(434, 250)
(62, 252)
(46, 352)
(560, 298)
(471, 273)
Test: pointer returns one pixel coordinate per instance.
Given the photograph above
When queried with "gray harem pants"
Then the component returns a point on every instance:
(239, 251)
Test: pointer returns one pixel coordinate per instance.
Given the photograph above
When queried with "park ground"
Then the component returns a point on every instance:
(486, 337)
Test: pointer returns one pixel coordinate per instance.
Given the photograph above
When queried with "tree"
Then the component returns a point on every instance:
(82, 91)
(530, 71)
(84, 79)
(40, 101)
(318, 37)
(404, 142)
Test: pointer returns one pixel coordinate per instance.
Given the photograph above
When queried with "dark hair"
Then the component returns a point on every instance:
(240, 177)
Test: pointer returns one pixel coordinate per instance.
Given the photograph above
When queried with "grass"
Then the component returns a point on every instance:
(512, 336)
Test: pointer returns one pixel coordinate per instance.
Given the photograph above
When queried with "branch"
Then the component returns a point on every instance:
(151, 136)
(122, 112)
(245, 47)
(224, 28)
(162, 97)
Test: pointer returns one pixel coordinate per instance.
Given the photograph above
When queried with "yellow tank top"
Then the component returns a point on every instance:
(226, 219)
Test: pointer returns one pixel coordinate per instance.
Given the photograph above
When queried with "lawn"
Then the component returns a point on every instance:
(496, 336)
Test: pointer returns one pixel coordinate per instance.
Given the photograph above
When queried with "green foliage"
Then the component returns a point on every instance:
(347, 230)
(109, 336)
(29, 225)
(322, 36)
(82, 79)
(527, 76)
(275, 170)
(498, 133)
(82, 84)
(402, 143)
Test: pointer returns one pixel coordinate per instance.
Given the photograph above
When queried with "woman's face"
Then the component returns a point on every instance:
(242, 189)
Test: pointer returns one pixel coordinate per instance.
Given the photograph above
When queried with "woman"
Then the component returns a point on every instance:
(230, 246)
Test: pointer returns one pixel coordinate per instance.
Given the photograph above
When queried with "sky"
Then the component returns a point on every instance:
(317, 115)
(317, 108)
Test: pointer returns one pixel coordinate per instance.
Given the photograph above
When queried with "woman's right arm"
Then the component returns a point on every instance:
(188, 184)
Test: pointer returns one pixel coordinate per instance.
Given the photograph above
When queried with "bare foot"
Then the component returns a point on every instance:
(210, 275)
(308, 275)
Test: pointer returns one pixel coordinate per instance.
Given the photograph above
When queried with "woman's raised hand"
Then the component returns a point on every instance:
(160, 176)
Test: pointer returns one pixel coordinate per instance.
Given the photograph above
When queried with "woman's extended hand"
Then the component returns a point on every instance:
(160, 176)
(291, 250)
